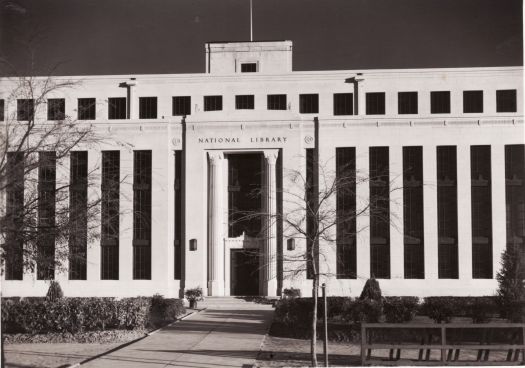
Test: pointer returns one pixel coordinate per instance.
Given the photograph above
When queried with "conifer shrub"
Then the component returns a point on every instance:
(511, 287)
(54, 292)
(371, 291)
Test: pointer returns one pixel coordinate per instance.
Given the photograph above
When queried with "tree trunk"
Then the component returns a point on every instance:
(313, 346)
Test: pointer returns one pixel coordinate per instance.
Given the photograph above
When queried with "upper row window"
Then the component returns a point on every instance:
(117, 108)
(147, 107)
(248, 67)
(343, 104)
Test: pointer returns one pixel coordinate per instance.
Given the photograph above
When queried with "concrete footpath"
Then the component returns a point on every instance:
(228, 336)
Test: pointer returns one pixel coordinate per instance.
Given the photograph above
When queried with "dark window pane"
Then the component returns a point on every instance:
(481, 202)
(407, 103)
(117, 108)
(142, 215)
(212, 103)
(147, 107)
(78, 215)
(2, 110)
(447, 213)
(45, 265)
(414, 244)
(472, 101)
(181, 105)
(25, 109)
(343, 103)
(515, 196)
(86, 109)
(14, 216)
(440, 102)
(506, 100)
(56, 109)
(310, 225)
(109, 237)
(248, 67)
(346, 213)
(379, 213)
(309, 104)
(375, 103)
(244, 102)
(276, 102)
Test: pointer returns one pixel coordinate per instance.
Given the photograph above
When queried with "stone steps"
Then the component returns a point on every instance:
(230, 302)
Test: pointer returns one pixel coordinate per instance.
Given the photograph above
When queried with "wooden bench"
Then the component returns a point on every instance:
(434, 337)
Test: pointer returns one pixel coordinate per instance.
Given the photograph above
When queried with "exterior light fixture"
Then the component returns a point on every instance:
(290, 244)
(193, 244)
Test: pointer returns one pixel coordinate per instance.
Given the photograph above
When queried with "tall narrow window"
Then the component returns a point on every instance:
(414, 245)
(56, 109)
(45, 265)
(343, 103)
(472, 101)
(440, 102)
(515, 196)
(346, 213)
(178, 216)
(2, 109)
(244, 102)
(447, 212)
(309, 103)
(481, 203)
(142, 215)
(379, 213)
(276, 102)
(78, 215)
(25, 109)
(147, 107)
(407, 103)
(86, 109)
(14, 214)
(506, 100)
(181, 105)
(117, 108)
(310, 225)
(375, 103)
(212, 103)
(109, 237)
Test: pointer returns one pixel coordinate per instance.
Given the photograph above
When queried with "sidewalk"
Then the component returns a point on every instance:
(216, 337)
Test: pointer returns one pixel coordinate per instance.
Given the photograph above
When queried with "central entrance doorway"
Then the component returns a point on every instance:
(244, 272)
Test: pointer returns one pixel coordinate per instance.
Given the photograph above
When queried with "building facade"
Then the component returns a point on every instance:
(186, 152)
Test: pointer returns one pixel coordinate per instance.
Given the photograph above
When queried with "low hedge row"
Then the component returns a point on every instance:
(294, 311)
(73, 315)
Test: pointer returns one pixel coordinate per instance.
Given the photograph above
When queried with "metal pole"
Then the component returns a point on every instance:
(251, 22)
(325, 325)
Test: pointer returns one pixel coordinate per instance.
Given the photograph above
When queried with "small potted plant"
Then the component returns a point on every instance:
(193, 296)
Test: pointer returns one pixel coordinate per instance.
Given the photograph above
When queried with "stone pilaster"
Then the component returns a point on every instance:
(215, 225)
(269, 256)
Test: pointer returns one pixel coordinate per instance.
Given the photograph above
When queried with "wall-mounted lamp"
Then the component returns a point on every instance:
(193, 244)
(290, 244)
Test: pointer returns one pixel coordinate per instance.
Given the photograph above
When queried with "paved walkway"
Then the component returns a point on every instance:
(216, 337)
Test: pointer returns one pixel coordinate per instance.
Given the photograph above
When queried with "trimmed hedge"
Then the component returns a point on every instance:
(442, 309)
(400, 309)
(87, 314)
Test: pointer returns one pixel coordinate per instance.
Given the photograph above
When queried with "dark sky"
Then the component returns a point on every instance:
(168, 36)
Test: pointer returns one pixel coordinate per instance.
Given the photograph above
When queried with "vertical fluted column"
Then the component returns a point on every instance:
(270, 225)
(215, 226)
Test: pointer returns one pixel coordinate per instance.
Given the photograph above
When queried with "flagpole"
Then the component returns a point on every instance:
(251, 22)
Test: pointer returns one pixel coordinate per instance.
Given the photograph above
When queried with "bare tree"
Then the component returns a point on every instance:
(49, 216)
(320, 210)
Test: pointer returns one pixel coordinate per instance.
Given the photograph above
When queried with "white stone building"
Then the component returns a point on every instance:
(452, 141)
